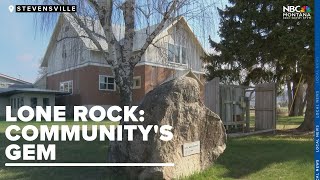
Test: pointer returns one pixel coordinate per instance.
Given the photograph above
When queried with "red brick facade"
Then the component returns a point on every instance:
(86, 84)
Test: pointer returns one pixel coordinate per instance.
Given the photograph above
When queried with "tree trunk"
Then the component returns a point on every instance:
(124, 81)
(126, 95)
(298, 100)
(125, 88)
(308, 123)
(302, 106)
(295, 97)
(289, 96)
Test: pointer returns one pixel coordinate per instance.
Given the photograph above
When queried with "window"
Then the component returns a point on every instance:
(34, 102)
(183, 55)
(66, 28)
(171, 51)
(11, 102)
(107, 83)
(64, 51)
(21, 101)
(66, 86)
(136, 82)
(14, 103)
(177, 54)
(45, 102)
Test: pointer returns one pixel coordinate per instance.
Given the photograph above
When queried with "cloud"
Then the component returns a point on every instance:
(25, 57)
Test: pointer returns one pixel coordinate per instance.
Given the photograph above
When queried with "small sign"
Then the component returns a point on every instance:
(191, 148)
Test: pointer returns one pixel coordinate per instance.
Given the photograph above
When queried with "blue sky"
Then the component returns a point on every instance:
(22, 44)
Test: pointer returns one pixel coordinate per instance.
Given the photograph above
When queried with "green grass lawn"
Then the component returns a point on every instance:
(82, 151)
(283, 122)
(263, 157)
(254, 157)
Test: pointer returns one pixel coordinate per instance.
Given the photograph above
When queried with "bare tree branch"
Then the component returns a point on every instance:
(156, 31)
(94, 4)
(72, 37)
(125, 17)
(85, 28)
(91, 36)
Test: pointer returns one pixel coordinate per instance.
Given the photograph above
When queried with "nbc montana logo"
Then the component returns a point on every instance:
(296, 12)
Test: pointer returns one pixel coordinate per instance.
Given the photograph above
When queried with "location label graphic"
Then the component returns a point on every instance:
(11, 8)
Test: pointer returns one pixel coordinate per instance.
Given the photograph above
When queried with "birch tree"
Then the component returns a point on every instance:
(132, 15)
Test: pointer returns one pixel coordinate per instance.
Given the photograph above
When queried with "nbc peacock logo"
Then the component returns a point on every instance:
(296, 12)
(305, 9)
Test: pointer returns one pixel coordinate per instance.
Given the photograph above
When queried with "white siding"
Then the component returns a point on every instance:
(158, 54)
(177, 35)
(4, 101)
(76, 53)
(97, 57)
(27, 100)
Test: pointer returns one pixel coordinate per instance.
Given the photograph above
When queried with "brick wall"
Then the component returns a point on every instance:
(86, 84)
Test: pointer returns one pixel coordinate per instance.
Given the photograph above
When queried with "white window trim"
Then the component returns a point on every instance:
(180, 55)
(106, 76)
(136, 78)
(71, 82)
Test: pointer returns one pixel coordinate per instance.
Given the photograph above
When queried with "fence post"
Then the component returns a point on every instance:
(247, 114)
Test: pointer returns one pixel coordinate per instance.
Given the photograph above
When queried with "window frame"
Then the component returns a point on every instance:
(70, 82)
(31, 104)
(14, 103)
(11, 102)
(18, 102)
(181, 56)
(21, 101)
(171, 53)
(43, 102)
(107, 89)
(134, 86)
(64, 52)
(179, 49)
(66, 28)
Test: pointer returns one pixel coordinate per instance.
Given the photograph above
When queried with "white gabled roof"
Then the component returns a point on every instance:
(87, 42)
(14, 79)
(141, 35)
(95, 26)
(139, 39)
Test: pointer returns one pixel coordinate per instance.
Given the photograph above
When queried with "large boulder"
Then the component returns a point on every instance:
(176, 103)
